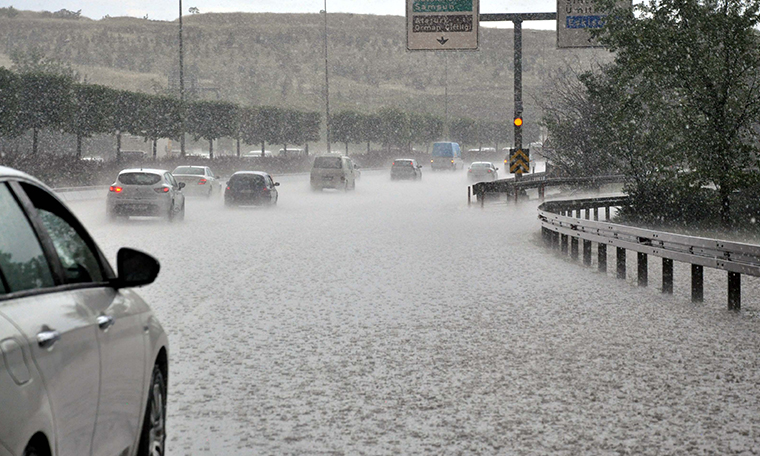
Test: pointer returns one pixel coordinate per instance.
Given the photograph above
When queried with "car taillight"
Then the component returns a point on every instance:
(489, 171)
(393, 164)
(469, 170)
(431, 161)
(202, 181)
(115, 189)
(161, 190)
(228, 187)
(452, 161)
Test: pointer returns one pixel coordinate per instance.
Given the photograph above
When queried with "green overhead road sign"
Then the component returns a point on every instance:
(433, 25)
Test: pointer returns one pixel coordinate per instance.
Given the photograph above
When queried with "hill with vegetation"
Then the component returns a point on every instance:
(277, 59)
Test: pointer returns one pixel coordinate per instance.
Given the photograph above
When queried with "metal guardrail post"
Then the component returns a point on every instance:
(586, 252)
(734, 291)
(601, 254)
(574, 248)
(607, 213)
(563, 243)
(621, 263)
(667, 276)
(697, 283)
(596, 214)
(643, 268)
(555, 241)
(469, 195)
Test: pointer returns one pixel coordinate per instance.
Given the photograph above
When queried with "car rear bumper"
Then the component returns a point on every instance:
(130, 206)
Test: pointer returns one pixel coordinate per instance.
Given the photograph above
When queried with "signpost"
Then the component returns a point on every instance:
(433, 25)
(576, 18)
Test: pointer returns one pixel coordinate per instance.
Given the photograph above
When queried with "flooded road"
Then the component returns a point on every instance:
(397, 320)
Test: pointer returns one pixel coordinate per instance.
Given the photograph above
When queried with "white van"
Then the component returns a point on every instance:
(333, 171)
(446, 155)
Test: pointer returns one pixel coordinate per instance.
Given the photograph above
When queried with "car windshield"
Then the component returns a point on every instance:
(189, 170)
(139, 178)
(327, 162)
(399, 163)
(443, 150)
(480, 166)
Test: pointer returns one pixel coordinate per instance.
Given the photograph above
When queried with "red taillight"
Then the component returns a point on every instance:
(202, 181)
(469, 170)
(393, 164)
(228, 187)
(161, 190)
(115, 189)
(490, 171)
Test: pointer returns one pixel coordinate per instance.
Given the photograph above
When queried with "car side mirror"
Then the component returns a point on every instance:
(182, 185)
(135, 268)
(276, 184)
(496, 169)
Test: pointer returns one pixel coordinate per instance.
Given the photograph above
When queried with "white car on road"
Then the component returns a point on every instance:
(83, 360)
(198, 180)
(143, 191)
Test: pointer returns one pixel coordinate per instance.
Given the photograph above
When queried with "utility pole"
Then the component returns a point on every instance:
(181, 87)
(327, 88)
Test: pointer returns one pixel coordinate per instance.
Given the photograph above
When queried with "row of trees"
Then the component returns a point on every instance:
(37, 100)
(395, 128)
(677, 111)
(40, 100)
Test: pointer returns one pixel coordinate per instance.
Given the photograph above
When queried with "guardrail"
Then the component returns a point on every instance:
(565, 223)
(81, 193)
(534, 180)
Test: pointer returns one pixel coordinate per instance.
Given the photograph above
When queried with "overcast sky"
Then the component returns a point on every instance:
(169, 9)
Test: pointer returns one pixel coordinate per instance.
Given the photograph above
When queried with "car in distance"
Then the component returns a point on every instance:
(446, 156)
(481, 171)
(251, 188)
(333, 171)
(148, 192)
(406, 168)
(83, 360)
(198, 180)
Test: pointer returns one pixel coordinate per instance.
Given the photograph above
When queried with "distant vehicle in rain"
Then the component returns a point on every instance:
(446, 156)
(333, 171)
(146, 192)
(406, 168)
(132, 155)
(251, 188)
(480, 171)
(291, 153)
(198, 180)
(258, 154)
(83, 359)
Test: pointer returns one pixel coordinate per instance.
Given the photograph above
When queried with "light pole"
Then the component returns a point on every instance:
(181, 87)
(327, 87)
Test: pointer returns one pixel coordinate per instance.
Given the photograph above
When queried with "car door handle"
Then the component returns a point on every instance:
(105, 322)
(47, 339)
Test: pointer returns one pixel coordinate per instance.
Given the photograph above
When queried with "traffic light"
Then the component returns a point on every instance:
(518, 121)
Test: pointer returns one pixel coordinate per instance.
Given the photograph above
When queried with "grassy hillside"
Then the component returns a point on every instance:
(277, 59)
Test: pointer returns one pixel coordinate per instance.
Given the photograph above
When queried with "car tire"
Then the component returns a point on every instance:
(32, 450)
(153, 434)
(181, 214)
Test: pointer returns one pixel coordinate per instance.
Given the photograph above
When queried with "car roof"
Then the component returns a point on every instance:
(191, 166)
(403, 159)
(481, 163)
(143, 170)
(257, 173)
(334, 155)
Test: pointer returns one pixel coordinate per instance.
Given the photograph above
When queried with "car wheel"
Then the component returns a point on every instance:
(181, 215)
(210, 192)
(153, 435)
(170, 214)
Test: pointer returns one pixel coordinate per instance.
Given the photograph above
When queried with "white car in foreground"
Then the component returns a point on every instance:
(143, 191)
(83, 360)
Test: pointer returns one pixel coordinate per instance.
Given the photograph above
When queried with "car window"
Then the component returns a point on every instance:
(23, 265)
(188, 170)
(139, 178)
(80, 261)
(327, 162)
(170, 179)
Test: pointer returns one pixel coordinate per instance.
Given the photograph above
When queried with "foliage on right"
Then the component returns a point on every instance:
(678, 107)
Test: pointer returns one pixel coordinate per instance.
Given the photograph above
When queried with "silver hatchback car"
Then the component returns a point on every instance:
(152, 192)
(83, 360)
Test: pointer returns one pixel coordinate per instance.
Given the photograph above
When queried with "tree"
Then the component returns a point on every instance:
(162, 119)
(394, 127)
(89, 114)
(125, 115)
(44, 102)
(369, 129)
(8, 103)
(703, 58)
(346, 127)
(464, 131)
(211, 120)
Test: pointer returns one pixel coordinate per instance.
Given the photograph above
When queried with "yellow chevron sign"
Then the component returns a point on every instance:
(519, 161)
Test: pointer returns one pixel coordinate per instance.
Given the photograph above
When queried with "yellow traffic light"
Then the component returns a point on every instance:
(518, 121)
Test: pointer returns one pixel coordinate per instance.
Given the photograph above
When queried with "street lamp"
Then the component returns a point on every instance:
(181, 87)
(327, 85)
